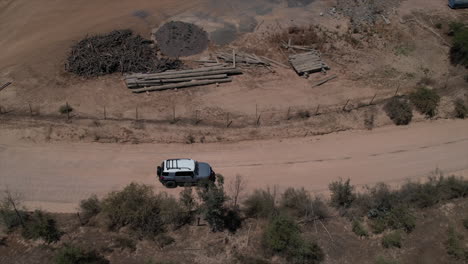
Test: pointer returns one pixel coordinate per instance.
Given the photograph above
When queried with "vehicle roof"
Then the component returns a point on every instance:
(174, 165)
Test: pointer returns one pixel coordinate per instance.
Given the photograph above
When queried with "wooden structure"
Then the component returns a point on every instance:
(307, 62)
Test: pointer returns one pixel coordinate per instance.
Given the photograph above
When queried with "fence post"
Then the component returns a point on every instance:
(173, 113)
(105, 114)
(68, 110)
(317, 110)
(289, 112)
(344, 107)
(372, 100)
(136, 113)
(397, 89)
(30, 110)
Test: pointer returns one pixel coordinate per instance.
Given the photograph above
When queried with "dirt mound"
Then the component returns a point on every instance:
(118, 51)
(365, 11)
(178, 38)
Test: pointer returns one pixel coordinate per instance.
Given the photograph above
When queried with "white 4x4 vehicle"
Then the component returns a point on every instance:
(181, 172)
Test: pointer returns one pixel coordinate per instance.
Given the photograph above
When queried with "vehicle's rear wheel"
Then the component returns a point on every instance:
(170, 184)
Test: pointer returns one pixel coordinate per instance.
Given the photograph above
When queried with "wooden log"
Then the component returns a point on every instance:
(180, 85)
(324, 80)
(5, 85)
(275, 62)
(228, 71)
(136, 84)
(204, 69)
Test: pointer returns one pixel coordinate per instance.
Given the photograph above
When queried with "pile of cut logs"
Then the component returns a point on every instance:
(240, 57)
(308, 62)
(174, 79)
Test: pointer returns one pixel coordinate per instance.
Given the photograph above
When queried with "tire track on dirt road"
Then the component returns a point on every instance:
(56, 176)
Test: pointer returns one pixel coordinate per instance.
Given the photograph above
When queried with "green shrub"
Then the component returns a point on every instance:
(90, 207)
(41, 226)
(66, 108)
(342, 193)
(72, 255)
(125, 242)
(401, 218)
(399, 111)
(282, 236)
(213, 200)
(164, 240)
(382, 260)
(306, 252)
(10, 219)
(260, 204)
(426, 101)
(461, 110)
(359, 229)
(303, 205)
(465, 223)
(392, 239)
(435, 190)
(454, 245)
(459, 49)
(233, 220)
(135, 206)
(187, 199)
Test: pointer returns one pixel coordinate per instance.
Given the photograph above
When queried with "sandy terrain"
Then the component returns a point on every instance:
(57, 176)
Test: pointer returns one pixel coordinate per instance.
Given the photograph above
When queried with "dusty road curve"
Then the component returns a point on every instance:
(56, 176)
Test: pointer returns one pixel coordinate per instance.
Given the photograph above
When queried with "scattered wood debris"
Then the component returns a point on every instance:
(241, 58)
(173, 79)
(323, 81)
(5, 85)
(308, 62)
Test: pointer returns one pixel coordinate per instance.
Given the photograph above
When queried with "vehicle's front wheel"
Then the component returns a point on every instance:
(170, 184)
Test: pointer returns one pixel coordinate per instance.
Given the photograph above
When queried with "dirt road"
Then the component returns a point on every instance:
(57, 176)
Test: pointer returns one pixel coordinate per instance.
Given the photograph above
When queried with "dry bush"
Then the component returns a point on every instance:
(342, 193)
(392, 239)
(302, 205)
(461, 110)
(90, 207)
(135, 206)
(117, 51)
(426, 101)
(74, 255)
(399, 111)
(41, 225)
(261, 204)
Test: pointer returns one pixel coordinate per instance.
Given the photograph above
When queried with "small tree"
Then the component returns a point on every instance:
(342, 193)
(426, 101)
(399, 111)
(461, 110)
(213, 198)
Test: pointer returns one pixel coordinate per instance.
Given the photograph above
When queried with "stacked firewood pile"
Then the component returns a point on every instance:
(308, 62)
(174, 79)
(118, 51)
